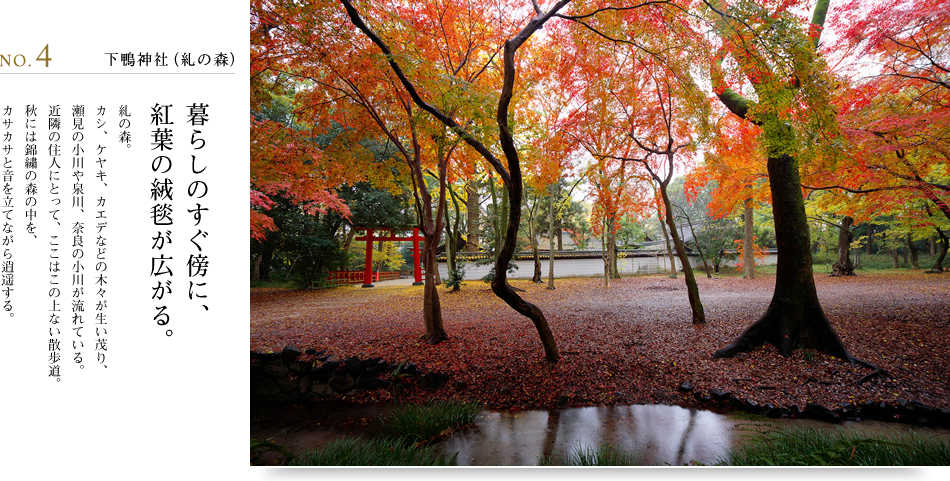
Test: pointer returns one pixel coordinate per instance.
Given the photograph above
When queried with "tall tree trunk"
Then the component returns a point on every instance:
(906, 260)
(748, 242)
(560, 236)
(456, 235)
(349, 239)
(496, 224)
(870, 238)
(613, 257)
(473, 211)
(698, 247)
(666, 237)
(699, 316)
(536, 278)
(606, 251)
(551, 238)
(944, 245)
(267, 256)
(794, 318)
(431, 306)
(895, 262)
(933, 246)
(533, 239)
(843, 266)
(450, 244)
(256, 270)
(912, 247)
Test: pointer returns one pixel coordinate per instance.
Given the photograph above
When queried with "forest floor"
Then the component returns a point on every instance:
(631, 343)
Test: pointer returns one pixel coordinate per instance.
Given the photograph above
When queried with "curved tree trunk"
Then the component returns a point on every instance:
(513, 181)
(844, 267)
(500, 284)
(699, 316)
(794, 318)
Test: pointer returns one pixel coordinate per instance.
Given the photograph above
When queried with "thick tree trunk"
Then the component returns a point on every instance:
(843, 266)
(912, 247)
(267, 256)
(666, 238)
(895, 261)
(560, 237)
(933, 246)
(349, 239)
(613, 255)
(870, 238)
(748, 242)
(472, 206)
(256, 270)
(431, 306)
(699, 316)
(906, 260)
(609, 252)
(794, 318)
(943, 245)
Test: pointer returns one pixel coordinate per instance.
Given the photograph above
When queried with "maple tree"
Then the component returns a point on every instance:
(510, 174)
(893, 105)
(640, 105)
(778, 59)
(735, 162)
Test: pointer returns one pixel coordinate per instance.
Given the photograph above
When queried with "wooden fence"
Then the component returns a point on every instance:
(335, 278)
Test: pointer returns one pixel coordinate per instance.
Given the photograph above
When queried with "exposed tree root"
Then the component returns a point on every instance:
(789, 327)
(875, 373)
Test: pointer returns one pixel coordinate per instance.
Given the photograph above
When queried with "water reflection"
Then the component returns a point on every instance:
(660, 434)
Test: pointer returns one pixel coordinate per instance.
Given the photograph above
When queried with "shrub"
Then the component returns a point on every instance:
(376, 452)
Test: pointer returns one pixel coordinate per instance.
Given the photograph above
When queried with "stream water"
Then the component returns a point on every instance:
(660, 434)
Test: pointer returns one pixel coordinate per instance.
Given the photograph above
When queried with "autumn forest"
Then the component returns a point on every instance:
(760, 188)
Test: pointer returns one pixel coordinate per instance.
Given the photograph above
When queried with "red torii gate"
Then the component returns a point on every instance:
(368, 272)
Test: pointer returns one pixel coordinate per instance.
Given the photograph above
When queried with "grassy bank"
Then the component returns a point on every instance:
(812, 447)
(410, 433)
